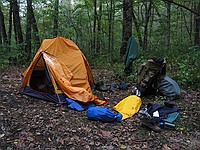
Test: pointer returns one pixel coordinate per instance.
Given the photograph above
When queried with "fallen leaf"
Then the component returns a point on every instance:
(123, 147)
(106, 133)
(165, 147)
(2, 135)
(30, 139)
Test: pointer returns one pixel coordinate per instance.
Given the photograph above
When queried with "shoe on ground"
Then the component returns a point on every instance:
(151, 126)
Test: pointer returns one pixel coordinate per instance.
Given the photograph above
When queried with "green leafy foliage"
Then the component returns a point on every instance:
(76, 23)
(185, 67)
(10, 55)
(182, 65)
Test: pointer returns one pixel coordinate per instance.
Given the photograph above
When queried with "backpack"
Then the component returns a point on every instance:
(149, 73)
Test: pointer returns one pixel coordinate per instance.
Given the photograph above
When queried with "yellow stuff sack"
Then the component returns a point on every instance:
(128, 106)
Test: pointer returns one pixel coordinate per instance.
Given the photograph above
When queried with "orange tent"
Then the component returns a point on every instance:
(59, 70)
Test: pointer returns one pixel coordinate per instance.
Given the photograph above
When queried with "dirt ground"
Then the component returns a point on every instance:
(28, 123)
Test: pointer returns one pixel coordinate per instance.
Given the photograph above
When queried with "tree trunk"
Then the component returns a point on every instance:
(55, 25)
(10, 24)
(127, 24)
(2, 28)
(0, 37)
(168, 36)
(147, 17)
(109, 25)
(15, 29)
(99, 28)
(90, 26)
(112, 24)
(35, 29)
(191, 24)
(17, 23)
(28, 30)
(197, 26)
(137, 29)
(94, 25)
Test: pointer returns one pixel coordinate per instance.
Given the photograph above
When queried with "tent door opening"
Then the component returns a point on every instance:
(41, 81)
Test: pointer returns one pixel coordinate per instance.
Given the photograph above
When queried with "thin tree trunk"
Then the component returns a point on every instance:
(17, 22)
(137, 29)
(99, 28)
(168, 35)
(3, 28)
(197, 27)
(0, 37)
(15, 29)
(181, 25)
(147, 17)
(55, 25)
(158, 13)
(112, 25)
(94, 25)
(28, 30)
(35, 29)
(127, 24)
(151, 23)
(191, 24)
(186, 26)
(109, 9)
(10, 24)
(90, 26)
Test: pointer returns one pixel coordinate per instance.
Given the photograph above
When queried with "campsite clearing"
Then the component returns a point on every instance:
(29, 123)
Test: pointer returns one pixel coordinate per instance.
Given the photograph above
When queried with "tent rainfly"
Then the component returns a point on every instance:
(59, 70)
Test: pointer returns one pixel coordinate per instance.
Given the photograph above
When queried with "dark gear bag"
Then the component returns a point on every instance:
(149, 73)
(168, 87)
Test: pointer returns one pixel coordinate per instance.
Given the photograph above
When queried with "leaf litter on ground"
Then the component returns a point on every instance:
(35, 124)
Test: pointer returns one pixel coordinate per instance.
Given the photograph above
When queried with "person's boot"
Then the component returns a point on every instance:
(150, 125)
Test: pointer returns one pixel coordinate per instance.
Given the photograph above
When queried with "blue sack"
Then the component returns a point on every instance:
(74, 105)
(103, 114)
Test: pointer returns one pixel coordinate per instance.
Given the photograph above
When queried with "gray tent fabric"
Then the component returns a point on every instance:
(169, 87)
